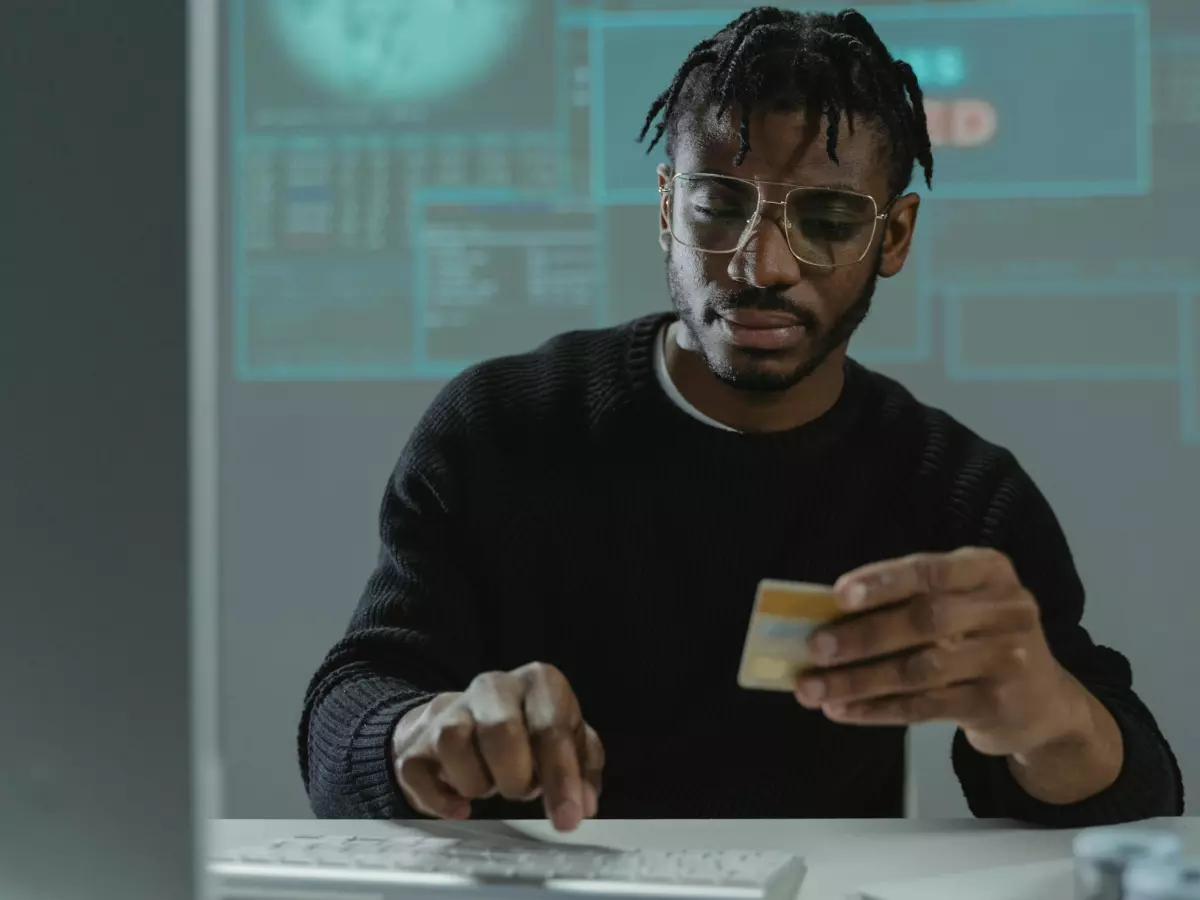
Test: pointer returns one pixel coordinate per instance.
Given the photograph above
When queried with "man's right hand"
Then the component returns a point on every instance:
(519, 734)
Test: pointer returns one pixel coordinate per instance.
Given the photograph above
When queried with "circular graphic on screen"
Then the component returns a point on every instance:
(397, 50)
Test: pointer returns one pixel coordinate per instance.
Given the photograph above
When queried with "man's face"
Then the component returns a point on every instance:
(762, 319)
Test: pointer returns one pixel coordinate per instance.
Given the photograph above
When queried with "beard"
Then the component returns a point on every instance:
(759, 379)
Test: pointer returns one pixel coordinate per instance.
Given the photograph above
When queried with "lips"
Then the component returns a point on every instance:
(756, 330)
(759, 318)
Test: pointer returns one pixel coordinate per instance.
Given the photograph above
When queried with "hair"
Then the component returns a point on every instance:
(832, 64)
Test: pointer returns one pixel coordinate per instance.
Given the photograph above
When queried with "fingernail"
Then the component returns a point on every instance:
(811, 690)
(591, 802)
(856, 595)
(823, 647)
(566, 815)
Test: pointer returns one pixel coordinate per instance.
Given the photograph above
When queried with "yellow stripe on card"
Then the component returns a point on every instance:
(797, 602)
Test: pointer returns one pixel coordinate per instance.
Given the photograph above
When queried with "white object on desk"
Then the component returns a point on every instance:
(1033, 881)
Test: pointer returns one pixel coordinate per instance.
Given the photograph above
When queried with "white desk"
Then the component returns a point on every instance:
(842, 855)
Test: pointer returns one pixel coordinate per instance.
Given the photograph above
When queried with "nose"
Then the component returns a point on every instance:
(765, 259)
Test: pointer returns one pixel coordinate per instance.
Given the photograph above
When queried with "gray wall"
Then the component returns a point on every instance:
(303, 466)
(94, 749)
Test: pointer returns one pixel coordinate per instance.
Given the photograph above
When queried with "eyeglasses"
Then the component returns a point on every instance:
(824, 227)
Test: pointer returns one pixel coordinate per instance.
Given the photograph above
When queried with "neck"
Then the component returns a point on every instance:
(755, 411)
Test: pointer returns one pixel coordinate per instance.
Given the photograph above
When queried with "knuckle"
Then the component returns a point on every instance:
(924, 615)
(484, 681)
(861, 638)
(493, 700)
(925, 568)
(550, 705)
(502, 731)
(513, 778)
(844, 684)
(552, 738)
(545, 672)
(997, 563)
(451, 736)
(492, 688)
(921, 667)
(853, 641)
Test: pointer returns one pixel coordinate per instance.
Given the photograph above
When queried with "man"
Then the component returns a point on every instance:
(572, 537)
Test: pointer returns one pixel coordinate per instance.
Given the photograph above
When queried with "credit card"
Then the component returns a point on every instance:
(786, 613)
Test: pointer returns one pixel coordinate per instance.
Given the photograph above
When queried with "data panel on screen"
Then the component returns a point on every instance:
(413, 187)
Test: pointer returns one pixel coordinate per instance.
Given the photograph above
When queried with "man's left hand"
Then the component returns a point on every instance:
(952, 637)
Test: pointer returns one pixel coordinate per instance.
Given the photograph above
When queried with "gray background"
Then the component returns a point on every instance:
(303, 465)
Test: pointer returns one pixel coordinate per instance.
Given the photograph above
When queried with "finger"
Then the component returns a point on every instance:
(425, 791)
(552, 715)
(559, 774)
(453, 740)
(926, 619)
(592, 754)
(501, 735)
(995, 657)
(955, 703)
(879, 584)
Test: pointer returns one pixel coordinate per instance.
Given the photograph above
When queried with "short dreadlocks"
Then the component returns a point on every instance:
(832, 63)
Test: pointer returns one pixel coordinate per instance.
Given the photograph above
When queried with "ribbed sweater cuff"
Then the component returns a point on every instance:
(1146, 787)
(351, 733)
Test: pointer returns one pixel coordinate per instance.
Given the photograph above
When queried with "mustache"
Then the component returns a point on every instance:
(767, 300)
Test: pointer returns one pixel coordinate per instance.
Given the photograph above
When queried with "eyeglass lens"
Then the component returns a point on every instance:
(824, 227)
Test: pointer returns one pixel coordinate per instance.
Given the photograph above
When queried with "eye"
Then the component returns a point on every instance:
(717, 211)
(712, 198)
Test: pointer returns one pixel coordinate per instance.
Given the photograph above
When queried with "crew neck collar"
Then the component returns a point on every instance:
(826, 429)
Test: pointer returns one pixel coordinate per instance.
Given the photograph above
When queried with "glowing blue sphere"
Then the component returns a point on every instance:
(397, 50)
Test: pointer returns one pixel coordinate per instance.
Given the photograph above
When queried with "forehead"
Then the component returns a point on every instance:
(785, 146)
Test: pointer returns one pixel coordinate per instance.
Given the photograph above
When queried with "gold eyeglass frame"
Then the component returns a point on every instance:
(666, 191)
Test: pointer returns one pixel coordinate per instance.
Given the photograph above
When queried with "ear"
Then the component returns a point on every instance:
(664, 231)
(898, 229)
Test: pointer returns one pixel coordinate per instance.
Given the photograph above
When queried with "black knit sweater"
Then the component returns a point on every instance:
(557, 507)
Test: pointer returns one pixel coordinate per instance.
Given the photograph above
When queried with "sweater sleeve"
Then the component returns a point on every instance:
(415, 632)
(1021, 523)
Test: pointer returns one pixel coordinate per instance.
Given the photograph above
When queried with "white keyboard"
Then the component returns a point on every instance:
(417, 865)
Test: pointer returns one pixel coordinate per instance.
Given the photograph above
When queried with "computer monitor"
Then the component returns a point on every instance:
(95, 655)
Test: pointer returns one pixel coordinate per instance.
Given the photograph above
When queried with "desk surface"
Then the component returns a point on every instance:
(842, 855)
